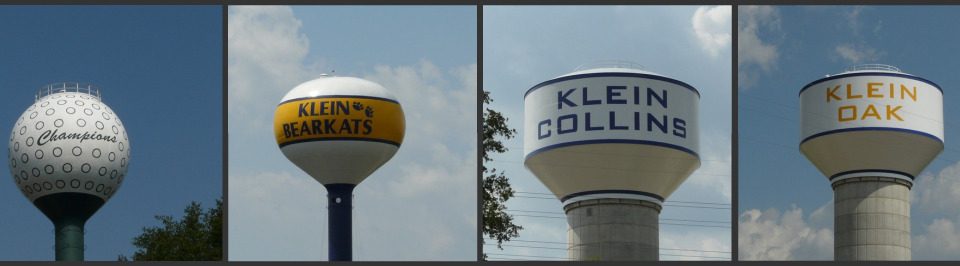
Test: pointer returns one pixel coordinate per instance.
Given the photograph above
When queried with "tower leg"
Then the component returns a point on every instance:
(871, 219)
(69, 238)
(613, 230)
(339, 219)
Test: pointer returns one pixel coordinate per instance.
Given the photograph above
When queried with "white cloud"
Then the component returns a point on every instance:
(859, 53)
(853, 19)
(940, 240)
(694, 245)
(768, 235)
(934, 201)
(711, 25)
(437, 161)
(435, 102)
(265, 60)
(822, 217)
(421, 205)
(754, 53)
(938, 194)
(878, 28)
(266, 213)
(714, 172)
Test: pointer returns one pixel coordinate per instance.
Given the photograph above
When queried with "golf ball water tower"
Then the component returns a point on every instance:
(871, 130)
(68, 154)
(612, 143)
(339, 130)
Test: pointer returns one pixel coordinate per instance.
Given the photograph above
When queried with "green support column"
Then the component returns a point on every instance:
(69, 239)
(69, 212)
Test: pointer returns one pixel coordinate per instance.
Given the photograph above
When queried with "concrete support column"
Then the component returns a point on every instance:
(613, 230)
(871, 219)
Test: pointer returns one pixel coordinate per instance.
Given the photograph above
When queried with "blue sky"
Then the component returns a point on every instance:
(421, 205)
(782, 49)
(523, 46)
(159, 68)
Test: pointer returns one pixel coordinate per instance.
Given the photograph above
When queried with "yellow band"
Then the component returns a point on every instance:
(339, 118)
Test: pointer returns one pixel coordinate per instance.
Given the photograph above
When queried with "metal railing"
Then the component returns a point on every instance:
(610, 64)
(67, 87)
(867, 67)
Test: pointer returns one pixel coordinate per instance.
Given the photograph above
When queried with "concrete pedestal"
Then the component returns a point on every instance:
(613, 230)
(871, 219)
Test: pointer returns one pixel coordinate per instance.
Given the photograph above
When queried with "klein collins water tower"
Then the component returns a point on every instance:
(612, 143)
(69, 154)
(339, 130)
(871, 130)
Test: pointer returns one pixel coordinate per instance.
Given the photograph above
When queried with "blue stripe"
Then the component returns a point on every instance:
(613, 141)
(607, 191)
(612, 74)
(340, 96)
(821, 134)
(871, 170)
(342, 138)
(871, 74)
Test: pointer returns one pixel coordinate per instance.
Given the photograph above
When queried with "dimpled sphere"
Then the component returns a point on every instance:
(68, 142)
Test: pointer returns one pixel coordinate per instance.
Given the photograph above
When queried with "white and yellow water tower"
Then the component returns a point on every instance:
(339, 130)
(871, 130)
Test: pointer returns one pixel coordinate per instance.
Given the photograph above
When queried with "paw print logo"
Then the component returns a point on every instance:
(358, 106)
(369, 111)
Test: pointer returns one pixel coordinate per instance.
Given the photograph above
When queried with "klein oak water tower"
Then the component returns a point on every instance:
(612, 144)
(69, 154)
(871, 130)
(339, 130)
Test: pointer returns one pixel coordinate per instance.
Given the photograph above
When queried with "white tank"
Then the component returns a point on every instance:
(339, 129)
(871, 121)
(611, 133)
(69, 141)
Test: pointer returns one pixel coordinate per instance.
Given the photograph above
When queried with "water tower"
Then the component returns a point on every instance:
(612, 144)
(68, 154)
(871, 130)
(339, 130)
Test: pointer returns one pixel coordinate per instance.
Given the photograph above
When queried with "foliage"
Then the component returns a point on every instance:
(197, 236)
(497, 223)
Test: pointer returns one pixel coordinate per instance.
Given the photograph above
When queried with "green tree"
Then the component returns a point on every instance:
(197, 236)
(497, 223)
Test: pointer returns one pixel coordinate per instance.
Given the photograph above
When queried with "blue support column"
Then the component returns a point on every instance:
(340, 230)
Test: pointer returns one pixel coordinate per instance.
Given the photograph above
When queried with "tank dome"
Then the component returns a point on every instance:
(611, 132)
